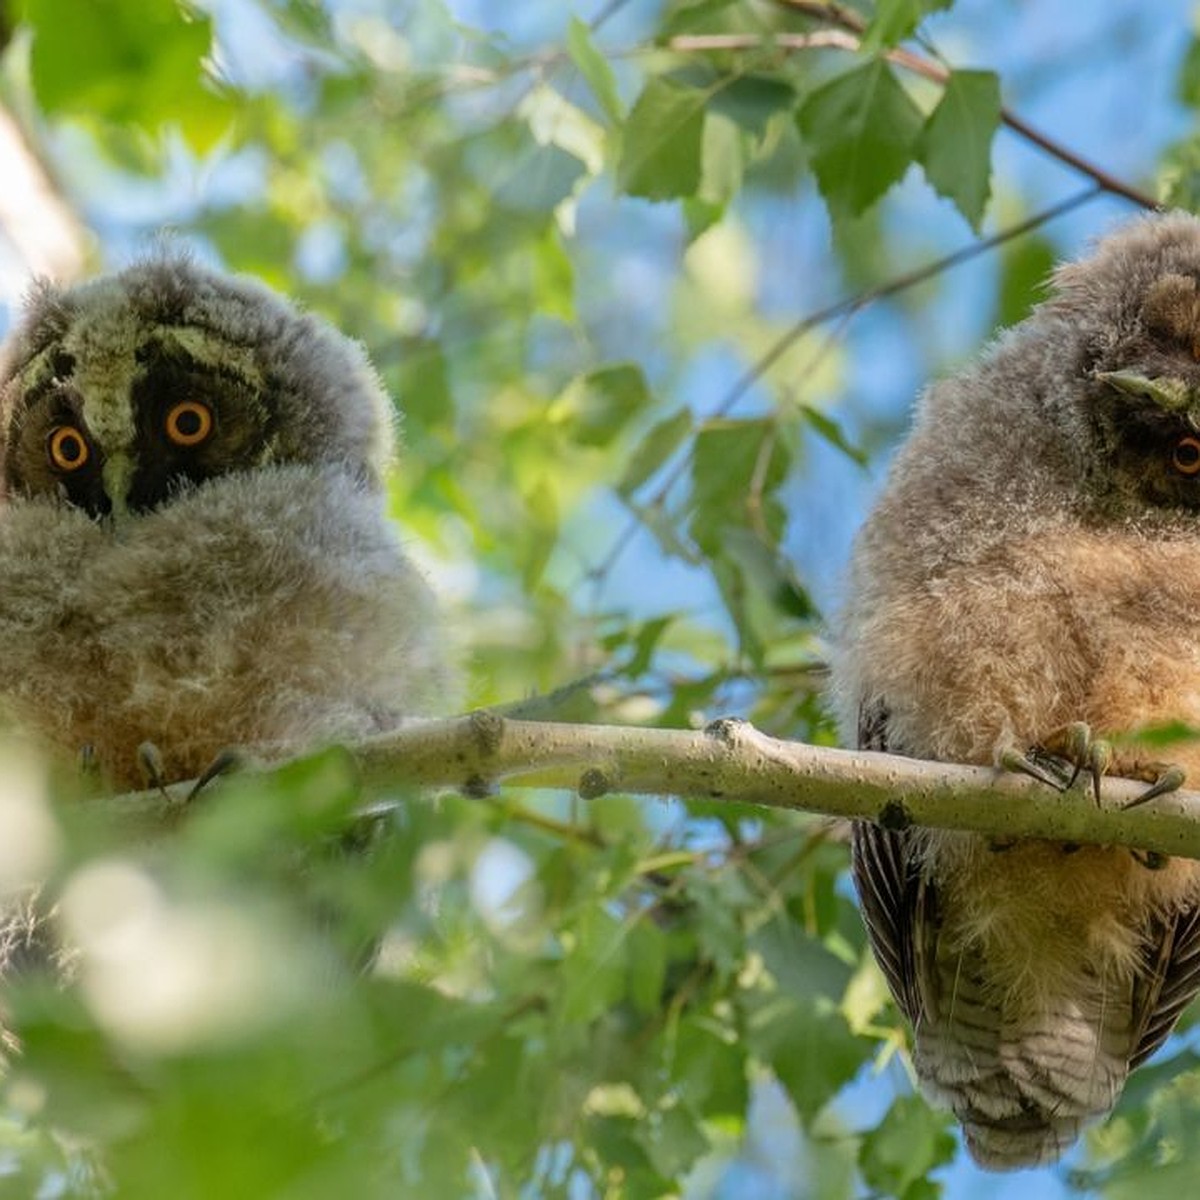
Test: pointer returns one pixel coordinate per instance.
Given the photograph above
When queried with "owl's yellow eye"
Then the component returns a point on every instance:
(189, 422)
(1186, 456)
(67, 448)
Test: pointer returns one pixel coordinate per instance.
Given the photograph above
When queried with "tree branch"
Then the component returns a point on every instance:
(732, 761)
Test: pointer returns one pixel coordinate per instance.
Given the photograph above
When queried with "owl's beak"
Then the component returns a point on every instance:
(1165, 392)
(117, 474)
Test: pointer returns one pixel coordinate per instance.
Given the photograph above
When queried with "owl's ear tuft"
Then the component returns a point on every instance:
(48, 311)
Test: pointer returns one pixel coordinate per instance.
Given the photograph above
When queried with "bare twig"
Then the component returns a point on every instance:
(731, 761)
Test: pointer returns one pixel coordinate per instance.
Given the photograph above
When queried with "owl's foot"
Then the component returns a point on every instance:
(1073, 748)
(1162, 777)
(1060, 758)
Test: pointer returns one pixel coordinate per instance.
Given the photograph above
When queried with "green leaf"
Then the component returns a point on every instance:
(654, 449)
(541, 503)
(731, 458)
(661, 151)
(646, 949)
(594, 969)
(894, 20)
(1025, 267)
(546, 176)
(955, 147)
(831, 431)
(862, 129)
(673, 1140)
(600, 404)
(593, 66)
(750, 101)
(138, 61)
(810, 1048)
(910, 1141)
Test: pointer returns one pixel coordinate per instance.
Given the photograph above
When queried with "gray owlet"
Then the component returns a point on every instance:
(1033, 566)
(194, 551)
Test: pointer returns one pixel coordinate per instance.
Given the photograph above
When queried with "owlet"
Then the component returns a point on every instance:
(1030, 581)
(194, 551)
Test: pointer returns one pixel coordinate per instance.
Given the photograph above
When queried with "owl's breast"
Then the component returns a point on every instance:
(269, 610)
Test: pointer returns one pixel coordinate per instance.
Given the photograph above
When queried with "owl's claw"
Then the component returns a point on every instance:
(1164, 778)
(1018, 763)
(89, 763)
(1071, 747)
(150, 760)
(225, 762)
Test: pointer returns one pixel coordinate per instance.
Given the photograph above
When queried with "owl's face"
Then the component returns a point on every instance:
(118, 394)
(1137, 305)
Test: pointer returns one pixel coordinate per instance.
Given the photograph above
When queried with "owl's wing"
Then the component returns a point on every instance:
(899, 904)
(1169, 984)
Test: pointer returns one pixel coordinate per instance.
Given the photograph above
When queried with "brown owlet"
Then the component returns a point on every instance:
(1030, 579)
(194, 551)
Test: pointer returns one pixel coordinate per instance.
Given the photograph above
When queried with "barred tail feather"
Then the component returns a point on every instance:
(1022, 1080)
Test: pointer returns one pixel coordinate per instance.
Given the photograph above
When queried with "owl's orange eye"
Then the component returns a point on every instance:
(1186, 456)
(189, 422)
(67, 448)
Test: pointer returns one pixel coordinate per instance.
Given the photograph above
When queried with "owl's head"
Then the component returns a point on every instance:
(118, 393)
(1133, 312)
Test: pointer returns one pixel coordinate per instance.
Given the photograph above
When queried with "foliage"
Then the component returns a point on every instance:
(610, 999)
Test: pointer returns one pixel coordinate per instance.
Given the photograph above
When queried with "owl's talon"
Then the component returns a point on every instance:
(1167, 778)
(1019, 764)
(225, 763)
(150, 760)
(89, 762)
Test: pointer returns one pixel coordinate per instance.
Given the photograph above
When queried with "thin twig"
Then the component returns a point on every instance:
(847, 308)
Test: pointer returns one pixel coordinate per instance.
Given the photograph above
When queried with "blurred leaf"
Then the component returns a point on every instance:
(811, 1050)
(654, 449)
(662, 142)
(955, 147)
(732, 461)
(647, 961)
(752, 100)
(862, 129)
(138, 61)
(601, 403)
(831, 431)
(593, 66)
(911, 1140)
(894, 20)
(1025, 268)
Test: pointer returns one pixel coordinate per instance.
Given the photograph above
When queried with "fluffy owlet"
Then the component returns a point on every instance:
(194, 551)
(1030, 580)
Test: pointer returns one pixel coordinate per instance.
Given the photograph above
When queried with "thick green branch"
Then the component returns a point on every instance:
(733, 761)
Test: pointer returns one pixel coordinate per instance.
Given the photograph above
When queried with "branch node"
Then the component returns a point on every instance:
(476, 787)
(487, 728)
(894, 816)
(728, 730)
(594, 783)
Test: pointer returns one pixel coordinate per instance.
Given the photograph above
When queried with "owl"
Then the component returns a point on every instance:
(194, 548)
(1029, 584)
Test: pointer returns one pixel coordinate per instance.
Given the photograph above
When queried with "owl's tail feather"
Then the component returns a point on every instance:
(1023, 1080)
